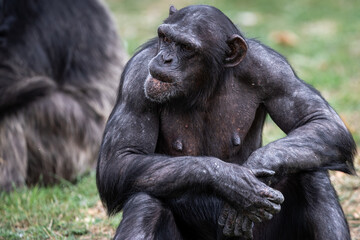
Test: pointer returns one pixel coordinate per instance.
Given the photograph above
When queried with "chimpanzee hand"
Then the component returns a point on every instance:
(248, 195)
(235, 223)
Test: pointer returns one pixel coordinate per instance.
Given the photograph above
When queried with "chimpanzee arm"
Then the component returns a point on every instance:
(316, 136)
(127, 163)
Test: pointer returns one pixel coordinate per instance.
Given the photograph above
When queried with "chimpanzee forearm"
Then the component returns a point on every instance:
(316, 136)
(168, 177)
(160, 176)
(319, 144)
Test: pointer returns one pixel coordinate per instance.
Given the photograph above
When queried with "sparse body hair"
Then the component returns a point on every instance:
(182, 151)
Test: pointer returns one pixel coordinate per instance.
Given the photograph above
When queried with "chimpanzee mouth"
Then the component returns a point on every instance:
(161, 78)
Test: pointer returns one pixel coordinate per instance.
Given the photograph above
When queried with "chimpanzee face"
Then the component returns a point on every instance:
(177, 69)
(193, 52)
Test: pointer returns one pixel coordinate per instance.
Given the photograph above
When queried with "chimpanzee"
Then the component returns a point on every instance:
(181, 153)
(60, 64)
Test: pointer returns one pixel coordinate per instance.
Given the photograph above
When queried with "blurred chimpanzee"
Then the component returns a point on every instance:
(182, 155)
(60, 64)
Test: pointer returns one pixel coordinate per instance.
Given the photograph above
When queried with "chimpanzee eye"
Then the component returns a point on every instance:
(186, 47)
(166, 39)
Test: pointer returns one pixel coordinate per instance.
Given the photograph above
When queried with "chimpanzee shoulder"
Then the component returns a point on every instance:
(131, 87)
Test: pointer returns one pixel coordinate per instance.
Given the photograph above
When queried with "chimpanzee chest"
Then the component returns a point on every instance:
(218, 130)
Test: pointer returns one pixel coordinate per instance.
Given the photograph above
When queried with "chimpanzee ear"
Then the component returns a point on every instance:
(238, 49)
(172, 10)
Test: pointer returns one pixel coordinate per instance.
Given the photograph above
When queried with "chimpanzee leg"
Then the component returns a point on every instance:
(324, 210)
(196, 216)
(311, 211)
(13, 153)
(145, 217)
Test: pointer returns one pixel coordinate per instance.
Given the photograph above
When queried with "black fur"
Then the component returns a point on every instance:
(184, 157)
(60, 62)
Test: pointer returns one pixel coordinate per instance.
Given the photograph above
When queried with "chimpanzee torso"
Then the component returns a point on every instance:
(219, 129)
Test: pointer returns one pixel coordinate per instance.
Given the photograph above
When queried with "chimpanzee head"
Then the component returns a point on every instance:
(196, 45)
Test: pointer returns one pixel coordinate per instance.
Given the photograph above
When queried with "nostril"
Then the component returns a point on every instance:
(166, 58)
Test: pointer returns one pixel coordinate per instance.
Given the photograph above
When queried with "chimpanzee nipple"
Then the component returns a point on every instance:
(178, 145)
(236, 139)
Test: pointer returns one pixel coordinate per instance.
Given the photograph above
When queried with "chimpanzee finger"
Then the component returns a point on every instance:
(223, 215)
(261, 203)
(272, 195)
(262, 173)
(247, 227)
(230, 223)
(238, 232)
(272, 208)
(266, 205)
(254, 218)
(264, 215)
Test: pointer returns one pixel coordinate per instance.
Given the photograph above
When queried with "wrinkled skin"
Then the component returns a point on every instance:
(181, 152)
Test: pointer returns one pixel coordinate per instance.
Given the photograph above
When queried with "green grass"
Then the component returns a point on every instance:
(325, 53)
(63, 211)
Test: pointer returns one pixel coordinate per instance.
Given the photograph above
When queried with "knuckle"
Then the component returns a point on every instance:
(227, 232)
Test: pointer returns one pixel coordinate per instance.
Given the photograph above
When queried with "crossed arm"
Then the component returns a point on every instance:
(127, 163)
(316, 136)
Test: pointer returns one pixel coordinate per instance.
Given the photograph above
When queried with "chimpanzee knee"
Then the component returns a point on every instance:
(145, 217)
(324, 211)
(311, 211)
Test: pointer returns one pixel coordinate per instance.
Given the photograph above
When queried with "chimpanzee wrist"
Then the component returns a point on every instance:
(261, 159)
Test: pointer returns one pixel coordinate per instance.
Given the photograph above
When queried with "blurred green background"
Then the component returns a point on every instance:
(321, 40)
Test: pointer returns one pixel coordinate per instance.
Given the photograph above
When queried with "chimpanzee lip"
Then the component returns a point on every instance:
(161, 78)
